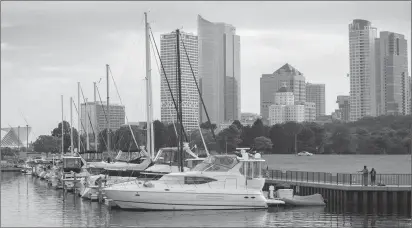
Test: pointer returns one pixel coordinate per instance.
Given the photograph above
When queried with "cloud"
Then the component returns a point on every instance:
(4, 46)
(47, 47)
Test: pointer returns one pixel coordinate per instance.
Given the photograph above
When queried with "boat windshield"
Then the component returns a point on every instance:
(217, 164)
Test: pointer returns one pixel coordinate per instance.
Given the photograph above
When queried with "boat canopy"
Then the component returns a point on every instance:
(169, 155)
(217, 163)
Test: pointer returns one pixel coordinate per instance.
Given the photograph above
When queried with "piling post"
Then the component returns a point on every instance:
(64, 188)
(355, 201)
(375, 200)
(100, 190)
(384, 201)
(394, 202)
(74, 185)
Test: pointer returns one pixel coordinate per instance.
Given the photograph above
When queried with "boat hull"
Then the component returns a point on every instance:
(186, 200)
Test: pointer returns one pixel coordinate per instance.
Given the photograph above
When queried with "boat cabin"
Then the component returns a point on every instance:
(92, 156)
(72, 163)
(131, 156)
(250, 167)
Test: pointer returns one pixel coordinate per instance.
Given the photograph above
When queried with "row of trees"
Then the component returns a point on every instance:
(379, 135)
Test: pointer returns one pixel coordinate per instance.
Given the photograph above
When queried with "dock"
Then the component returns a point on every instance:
(10, 169)
(344, 191)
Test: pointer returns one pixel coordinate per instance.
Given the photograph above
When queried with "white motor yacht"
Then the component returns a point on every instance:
(219, 182)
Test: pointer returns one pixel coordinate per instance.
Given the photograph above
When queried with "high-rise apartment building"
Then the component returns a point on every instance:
(344, 108)
(316, 93)
(392, 80)
(285, 108)
(362, 69)
(190, 95)
(95, 116)
(219, 71)
(271, 83)
(310, 111)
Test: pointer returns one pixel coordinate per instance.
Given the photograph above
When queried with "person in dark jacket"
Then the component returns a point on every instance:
(373, 176)
(365, 173)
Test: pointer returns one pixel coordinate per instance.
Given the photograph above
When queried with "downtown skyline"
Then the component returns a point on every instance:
(263, 48)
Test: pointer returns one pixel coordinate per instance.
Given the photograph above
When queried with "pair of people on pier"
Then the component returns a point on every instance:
(365, 176)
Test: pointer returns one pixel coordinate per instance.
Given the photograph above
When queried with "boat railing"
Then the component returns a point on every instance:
(170, 184)
(337, 178)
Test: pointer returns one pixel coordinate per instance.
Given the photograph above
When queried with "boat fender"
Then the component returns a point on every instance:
(271, 190)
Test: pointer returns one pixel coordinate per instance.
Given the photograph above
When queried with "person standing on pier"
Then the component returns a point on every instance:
(365, 174)
(373, 176)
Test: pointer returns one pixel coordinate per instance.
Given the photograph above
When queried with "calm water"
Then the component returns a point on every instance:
(388, 164)
(28, 201)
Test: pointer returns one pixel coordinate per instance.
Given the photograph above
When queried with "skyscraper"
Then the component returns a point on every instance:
(219, 71)
(344, 108)
(94, 117)
(316, 93)
(393, 96)
(271, 83)
(190, 96)
(362, 69)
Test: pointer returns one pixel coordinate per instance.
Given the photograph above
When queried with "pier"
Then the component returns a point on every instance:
(10, 169)
(343, 191)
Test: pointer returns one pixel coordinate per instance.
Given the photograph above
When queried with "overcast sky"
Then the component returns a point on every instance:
(47, 47)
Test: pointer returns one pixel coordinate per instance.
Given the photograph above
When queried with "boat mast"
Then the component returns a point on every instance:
(149, 128)
(78, 117)
(180, 116)
(71, 125)
(95, 117)
(108, 110)
(62, 129)
(87, 125)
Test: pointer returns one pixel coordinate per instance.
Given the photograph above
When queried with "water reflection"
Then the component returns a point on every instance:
(28, 201)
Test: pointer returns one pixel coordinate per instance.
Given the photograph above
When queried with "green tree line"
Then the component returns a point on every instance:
(370, 135)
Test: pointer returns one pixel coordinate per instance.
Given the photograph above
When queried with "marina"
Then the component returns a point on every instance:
(205, 162)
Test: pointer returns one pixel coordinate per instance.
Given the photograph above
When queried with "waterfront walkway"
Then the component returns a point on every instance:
(343, 181)
(345, 189)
